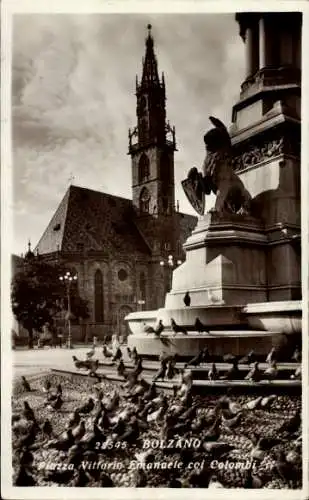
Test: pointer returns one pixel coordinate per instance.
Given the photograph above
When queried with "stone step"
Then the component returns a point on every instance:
(201, 372)
(199, 386)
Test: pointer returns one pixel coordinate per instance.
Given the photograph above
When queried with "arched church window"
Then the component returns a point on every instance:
(142, 286)
(144, 201)
(98, 297)
(143, 168)
(122, 274)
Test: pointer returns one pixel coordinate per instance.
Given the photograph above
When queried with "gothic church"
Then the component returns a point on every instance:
(118, 246)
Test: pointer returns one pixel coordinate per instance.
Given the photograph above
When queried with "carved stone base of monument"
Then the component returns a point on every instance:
(225, 275)
(225, 263)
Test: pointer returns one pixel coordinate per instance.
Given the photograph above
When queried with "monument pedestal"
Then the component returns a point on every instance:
(225, 263)
(225, 275)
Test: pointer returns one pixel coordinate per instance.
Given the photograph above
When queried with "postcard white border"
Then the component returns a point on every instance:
(8, 8)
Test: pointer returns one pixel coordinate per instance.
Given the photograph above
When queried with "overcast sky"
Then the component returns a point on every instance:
(73, 100)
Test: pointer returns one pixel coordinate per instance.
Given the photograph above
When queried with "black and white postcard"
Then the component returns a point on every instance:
(154, 277)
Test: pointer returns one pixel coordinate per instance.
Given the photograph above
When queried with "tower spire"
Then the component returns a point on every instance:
(150, 67)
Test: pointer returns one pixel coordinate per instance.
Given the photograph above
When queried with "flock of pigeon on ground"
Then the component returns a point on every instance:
(70, 423)
(168, 368)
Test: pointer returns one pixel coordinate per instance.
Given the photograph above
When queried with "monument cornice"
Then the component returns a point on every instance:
(269, 122)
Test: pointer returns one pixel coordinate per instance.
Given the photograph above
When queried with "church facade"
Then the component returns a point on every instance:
(124, 250)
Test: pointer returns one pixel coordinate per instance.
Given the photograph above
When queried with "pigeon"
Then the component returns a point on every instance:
(26, 459)
(196, 361)
(106, 481)
(265, 443)
(213, 433)
(178, 328)
(294, 458)
(91, 353)
(29, 438)
(86, 408)
(234, 407)
(54, 395)
(284, 469)
(64, 443)
(189, 414)
(187, 299)
(251, 481)
(74, 419)
(79, 364)
(121, 371)
(272, 356)
(171, 370)
(229, 358)
(214, 483)
(157, 415)
(161, 372)
(106, 352)
(134, 354)
(56, 404)
(132, 432)
(47, 428)
(23, 478)
(186, 381)
(46, 386)
(114, 403)
(298, 373)
(297, 355)
(15, 418)
(138, 368)
(200, 328)
(79, 431)
(103, 422)
(28, 412)
(233, 373)
(98, 409)
(25, 384)
(157, 330)
(59, 477)
(292, 425)
(81, 479)
(231, 422)
(217, 448)
(254, 403)
(255, 374)
(118, 355)
(93, 367)
(90, 438)
(213, 373)
(248, 359)
(272, 372)
(151, 393)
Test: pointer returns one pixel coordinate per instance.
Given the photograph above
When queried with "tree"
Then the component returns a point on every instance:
(37, 296)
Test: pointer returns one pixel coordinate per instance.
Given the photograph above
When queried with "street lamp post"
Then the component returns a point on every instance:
(67, 279)
(170, 264)
(141, 303)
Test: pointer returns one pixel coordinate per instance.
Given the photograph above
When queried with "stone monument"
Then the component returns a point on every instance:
(243, 267)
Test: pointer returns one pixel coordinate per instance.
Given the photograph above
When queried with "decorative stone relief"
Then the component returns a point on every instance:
(257, 154)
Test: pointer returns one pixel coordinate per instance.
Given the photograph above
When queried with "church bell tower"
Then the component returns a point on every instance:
(152, 143)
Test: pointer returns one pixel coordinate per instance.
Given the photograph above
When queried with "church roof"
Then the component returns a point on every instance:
(93, 221)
